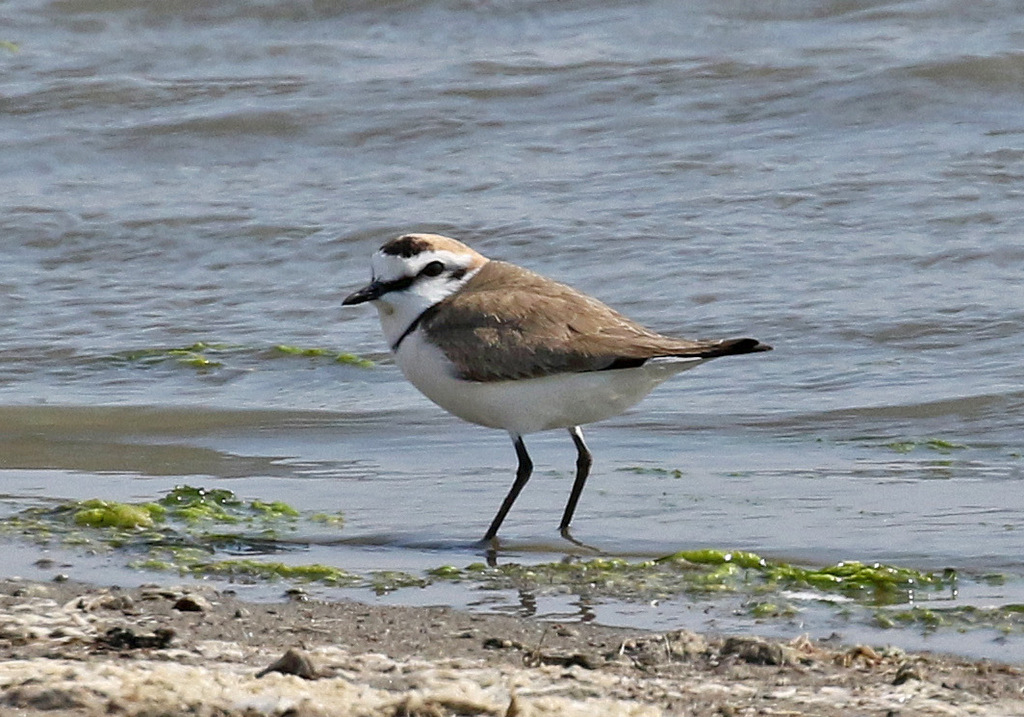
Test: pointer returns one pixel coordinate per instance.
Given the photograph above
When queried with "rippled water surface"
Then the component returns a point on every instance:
(843, 180)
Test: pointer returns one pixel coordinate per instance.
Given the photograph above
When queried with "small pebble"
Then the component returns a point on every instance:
(192, 603)
(293, 662)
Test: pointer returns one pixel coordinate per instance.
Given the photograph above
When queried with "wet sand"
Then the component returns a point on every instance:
(77, 650)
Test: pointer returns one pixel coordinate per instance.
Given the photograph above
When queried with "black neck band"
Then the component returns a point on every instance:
(425, 314)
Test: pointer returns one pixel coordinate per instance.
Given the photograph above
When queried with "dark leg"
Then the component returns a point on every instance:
(583, 463)
(522, 475)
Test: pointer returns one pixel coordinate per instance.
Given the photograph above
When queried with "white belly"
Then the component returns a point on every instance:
(536, 404)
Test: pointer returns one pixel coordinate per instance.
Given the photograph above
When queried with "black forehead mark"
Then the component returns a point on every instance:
(405, 246)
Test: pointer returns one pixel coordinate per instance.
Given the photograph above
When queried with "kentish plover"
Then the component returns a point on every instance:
(501, 346)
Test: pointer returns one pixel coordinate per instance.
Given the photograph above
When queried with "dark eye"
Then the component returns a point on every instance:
(432, 269)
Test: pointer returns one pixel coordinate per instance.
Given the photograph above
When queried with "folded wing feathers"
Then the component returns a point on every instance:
(539, 327)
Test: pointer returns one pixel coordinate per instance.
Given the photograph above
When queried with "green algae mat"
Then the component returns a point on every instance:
(214, 533)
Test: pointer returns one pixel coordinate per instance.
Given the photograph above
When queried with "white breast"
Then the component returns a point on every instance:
(530, 405)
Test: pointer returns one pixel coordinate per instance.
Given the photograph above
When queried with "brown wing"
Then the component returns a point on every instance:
(509, 323)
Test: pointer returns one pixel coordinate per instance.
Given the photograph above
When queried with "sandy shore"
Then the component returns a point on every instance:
(78, 650)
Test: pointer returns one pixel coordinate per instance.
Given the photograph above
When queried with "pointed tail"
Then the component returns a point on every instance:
(732, 347)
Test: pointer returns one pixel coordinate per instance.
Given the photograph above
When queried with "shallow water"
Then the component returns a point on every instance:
(842, 180)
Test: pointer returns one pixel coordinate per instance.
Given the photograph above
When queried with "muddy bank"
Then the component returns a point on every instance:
(76, 650)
